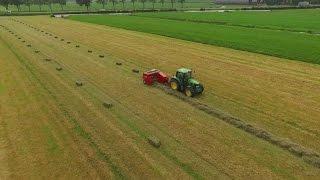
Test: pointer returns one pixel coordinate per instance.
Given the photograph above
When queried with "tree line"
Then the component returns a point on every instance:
(86, 3)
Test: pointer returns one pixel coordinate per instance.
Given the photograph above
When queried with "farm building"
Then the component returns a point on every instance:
(235, 1)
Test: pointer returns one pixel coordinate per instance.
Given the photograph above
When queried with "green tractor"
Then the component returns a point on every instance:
(184, 82)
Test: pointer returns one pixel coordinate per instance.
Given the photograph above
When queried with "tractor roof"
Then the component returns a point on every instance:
(184, 70)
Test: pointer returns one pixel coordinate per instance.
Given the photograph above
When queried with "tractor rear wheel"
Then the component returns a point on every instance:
(189, 92)
(174, 84)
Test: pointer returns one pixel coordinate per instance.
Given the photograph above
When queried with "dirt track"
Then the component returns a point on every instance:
(55, 128)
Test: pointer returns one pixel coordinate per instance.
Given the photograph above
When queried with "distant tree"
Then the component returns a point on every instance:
(49, 3)
(183, 1)
(28, 3)
(103, 2)
(113, 4)
(172, 2)
(17, 3)
(123, 1)
(84, 2)
(5, 3)
(162, 2)
(133, 4)
(143, 3)
(39, 3)
(61, 3)
(153, 2)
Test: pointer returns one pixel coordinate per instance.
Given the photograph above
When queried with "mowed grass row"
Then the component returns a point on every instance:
(298, 20)
(290, 45)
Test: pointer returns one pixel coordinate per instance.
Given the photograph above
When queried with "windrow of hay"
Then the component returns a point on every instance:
(308, 155)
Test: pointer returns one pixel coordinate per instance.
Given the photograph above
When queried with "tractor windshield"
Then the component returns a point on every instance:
(188, 75)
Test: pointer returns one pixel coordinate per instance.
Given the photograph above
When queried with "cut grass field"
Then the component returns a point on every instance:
(290, 45)
(52, 128)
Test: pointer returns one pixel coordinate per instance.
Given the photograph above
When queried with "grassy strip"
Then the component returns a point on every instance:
(306, 20)
(302, 47)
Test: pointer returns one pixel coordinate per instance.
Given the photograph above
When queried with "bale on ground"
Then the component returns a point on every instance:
(79, 83)
(135, 70)
(47, 59)
(155, 142)
(77, 46)
(23, 41)
(56, 37)
(62, 39)
(89, 51)
(107, 104)
(68, 42)
(118, 63)
(36, 51)
(59, 68)
(29, 45)
(101, 56)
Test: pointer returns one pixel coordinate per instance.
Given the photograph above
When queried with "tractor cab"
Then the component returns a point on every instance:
(184, 74)
(184, 82)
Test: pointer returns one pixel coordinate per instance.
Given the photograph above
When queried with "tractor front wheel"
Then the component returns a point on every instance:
(189, 92)
(174, 84)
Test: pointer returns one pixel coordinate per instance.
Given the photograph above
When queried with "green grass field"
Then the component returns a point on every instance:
(297, 20)
(291, 45)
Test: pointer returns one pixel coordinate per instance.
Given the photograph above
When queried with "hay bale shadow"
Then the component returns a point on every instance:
(118, 63)
(59, 68)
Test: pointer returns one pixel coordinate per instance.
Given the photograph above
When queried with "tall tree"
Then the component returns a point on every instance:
(5, 3)
(182, 2)
(123, 1)
(133, 4)
(153, 2)
(103, 2)
(84, 2)
(28, 3)
(61, 3)
(162, 2)
(114, 4)
(143, 3)
(39, 3)
(17, 3)
(172, 2)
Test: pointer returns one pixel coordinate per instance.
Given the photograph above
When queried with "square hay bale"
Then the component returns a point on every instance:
(79, 83)
(135, 70)
(68, 42)
(36, 51)
(19, 37)
(56, 37)
(59, 68)
(118, 63)
(89, 51)
(77, 46)
(47, 59)
(154, 141)
(46, 33)
(107, 104)
(29, 45)
(23, 41)
(101, 56)
(62, 39)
